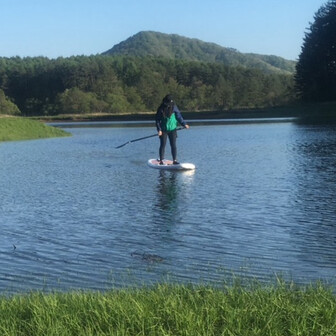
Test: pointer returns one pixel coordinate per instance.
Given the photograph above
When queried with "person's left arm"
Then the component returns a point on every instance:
(179, 117)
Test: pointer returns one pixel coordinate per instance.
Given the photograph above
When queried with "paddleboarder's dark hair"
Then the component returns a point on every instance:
(168, 99)
(168, 106)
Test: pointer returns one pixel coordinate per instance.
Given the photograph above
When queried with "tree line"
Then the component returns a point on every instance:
(117, 84)
(316, 68)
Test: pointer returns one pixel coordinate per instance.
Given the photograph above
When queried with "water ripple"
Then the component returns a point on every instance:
(79, 214)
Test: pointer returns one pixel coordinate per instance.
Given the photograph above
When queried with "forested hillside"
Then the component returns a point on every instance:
(172, 46)
(117, 84)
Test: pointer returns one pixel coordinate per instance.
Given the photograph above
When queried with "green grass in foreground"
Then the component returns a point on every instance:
(12, 129)
(281, 310)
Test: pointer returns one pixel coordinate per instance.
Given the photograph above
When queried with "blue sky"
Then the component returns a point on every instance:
(88, 27)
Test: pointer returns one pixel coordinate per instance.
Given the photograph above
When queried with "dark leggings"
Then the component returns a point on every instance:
(172, 140)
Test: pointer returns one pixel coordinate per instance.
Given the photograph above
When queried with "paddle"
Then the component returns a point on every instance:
(146, 137)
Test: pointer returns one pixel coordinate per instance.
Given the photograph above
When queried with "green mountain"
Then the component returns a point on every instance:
(172, 46)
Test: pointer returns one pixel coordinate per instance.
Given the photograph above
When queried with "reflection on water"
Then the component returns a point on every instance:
(78, 213)
(167, 192)
(172, 187)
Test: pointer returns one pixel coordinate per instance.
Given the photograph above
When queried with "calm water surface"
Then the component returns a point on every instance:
(77, 213)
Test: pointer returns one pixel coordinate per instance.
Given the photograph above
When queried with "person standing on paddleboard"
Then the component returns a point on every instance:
(167, 118)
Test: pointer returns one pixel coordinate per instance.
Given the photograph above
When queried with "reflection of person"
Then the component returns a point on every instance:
(167, 194)
(167, 117)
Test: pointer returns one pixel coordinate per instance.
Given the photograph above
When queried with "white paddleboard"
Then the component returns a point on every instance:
(168, 165)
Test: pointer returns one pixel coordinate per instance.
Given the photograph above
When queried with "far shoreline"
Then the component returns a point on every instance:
(187, 115)
(310, 111)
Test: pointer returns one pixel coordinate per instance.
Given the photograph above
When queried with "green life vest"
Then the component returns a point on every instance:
(169, 124)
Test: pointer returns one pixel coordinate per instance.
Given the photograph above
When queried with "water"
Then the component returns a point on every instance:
(76, 213)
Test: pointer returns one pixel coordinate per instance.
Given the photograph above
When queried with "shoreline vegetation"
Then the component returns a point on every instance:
(174, 309)
(188, 115)
(29, 128)
(304, 111)
(18, 128)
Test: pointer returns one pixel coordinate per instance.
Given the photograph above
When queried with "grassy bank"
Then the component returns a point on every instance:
(24, 129)
(174, 310)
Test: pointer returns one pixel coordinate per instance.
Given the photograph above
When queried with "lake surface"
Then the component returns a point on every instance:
(76, 213)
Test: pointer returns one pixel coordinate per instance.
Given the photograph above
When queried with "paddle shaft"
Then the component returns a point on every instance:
(143, 138)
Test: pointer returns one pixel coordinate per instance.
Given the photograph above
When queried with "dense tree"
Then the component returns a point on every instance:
(76, 101)
(114, 84)
(316, 67)
(6, 106)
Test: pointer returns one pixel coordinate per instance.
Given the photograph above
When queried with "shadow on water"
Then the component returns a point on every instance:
(314, 155)
(317, 116)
